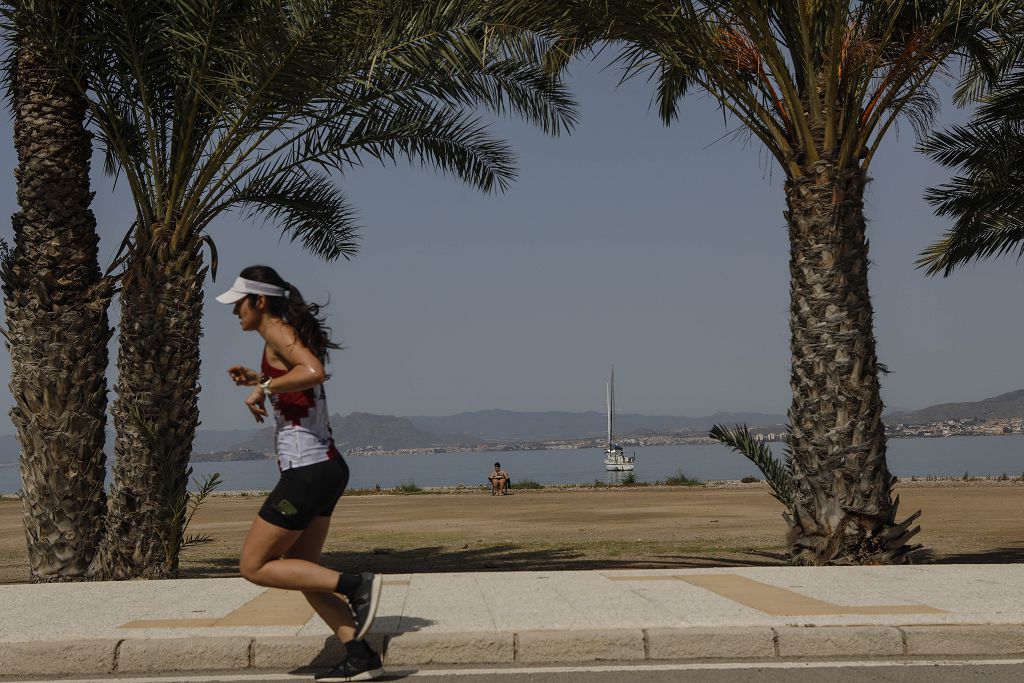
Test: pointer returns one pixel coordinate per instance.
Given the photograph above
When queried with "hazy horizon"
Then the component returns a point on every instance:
(660, 250)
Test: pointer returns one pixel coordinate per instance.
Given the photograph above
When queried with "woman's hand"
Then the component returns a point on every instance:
(244, 376)
(254, 402)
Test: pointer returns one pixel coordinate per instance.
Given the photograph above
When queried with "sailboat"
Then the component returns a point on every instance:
(615, 459)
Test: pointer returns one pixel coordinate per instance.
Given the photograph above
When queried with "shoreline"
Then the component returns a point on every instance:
(714, 484)
(589, 443)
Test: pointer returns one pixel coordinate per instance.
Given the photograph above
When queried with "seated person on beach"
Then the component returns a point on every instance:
(499, 480)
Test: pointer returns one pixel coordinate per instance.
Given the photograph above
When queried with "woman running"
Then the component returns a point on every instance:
(282, 549)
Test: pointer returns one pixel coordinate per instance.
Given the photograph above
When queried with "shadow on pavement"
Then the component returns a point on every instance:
(1007, 555)
(332, 651)
(507, 557)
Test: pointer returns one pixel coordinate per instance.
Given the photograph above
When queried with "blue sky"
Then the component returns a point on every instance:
(661, 250)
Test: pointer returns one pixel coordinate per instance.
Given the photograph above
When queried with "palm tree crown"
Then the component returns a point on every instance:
(986, 197)
(211, 105)
(810, 80)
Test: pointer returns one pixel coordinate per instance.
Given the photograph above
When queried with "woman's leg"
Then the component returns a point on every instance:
(331, 607)
(264, 564)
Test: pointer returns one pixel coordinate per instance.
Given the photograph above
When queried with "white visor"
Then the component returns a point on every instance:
(243, 287)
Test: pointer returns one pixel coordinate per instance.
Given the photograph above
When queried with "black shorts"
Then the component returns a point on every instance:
(304, 493)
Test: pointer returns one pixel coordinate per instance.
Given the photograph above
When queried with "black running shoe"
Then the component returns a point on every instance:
(353, 669)
(363, 602)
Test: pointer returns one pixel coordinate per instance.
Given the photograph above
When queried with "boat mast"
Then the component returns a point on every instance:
(611, 405)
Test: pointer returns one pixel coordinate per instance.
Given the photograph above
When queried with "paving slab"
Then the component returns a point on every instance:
(75, 656)
(156, 655)
(534, 647)
(982, 639)
(451, 648)
(755, 642)
(839, 641)
(524, 617)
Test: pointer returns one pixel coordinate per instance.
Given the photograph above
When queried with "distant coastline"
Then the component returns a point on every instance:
(231, 456)
(367, 434)
(497, 447)
(556, 445)
(971, 426)
(945, 429)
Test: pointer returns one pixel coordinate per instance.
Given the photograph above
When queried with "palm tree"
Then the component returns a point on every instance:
(819, 84)
(208, 106)
(56, 303)
(986, 198)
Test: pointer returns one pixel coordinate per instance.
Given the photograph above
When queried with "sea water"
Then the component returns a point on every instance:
(952, 456)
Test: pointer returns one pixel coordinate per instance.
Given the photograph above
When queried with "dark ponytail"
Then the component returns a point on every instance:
(304, 316)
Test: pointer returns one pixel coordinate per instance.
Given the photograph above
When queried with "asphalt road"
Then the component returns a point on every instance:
(904, 671)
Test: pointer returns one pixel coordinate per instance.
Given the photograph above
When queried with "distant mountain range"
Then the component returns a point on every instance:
(360, 430)
(507, 425)
(366, 430)
(388, 432)
(1004, 406)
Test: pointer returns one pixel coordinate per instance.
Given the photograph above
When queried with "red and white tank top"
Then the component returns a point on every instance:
(302, 432)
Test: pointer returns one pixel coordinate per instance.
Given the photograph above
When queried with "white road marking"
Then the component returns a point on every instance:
(604, 668)
(722, 666)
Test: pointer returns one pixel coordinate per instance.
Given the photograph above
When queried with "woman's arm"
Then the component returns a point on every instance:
(305, 369)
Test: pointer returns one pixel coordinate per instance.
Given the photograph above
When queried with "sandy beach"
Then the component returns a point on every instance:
(581, 528)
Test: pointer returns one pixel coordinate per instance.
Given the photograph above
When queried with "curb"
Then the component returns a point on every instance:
(153, 655)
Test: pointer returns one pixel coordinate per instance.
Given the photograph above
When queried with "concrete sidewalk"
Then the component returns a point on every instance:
(528, 617)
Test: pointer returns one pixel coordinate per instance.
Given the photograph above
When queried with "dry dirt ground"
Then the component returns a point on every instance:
(645, 527)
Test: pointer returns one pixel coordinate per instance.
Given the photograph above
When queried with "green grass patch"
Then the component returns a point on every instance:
(527, 484)
(749, 480)
(680, 478)
(408, 487)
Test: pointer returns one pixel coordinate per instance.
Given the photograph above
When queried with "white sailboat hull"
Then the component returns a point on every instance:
(617, 461)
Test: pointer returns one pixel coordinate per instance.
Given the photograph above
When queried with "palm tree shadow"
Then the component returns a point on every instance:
(505, 557)
(1005, 555)
(509, 557)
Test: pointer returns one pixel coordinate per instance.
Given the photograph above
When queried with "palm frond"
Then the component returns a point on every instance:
(307, 206)
(452, 142)
(778, 474)
(985, 198)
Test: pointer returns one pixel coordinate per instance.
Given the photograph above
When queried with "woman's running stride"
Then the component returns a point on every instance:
(282, 549)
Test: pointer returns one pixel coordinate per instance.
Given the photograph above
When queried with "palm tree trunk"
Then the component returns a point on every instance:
(156, 411)
(844, 512)
(56, 302)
